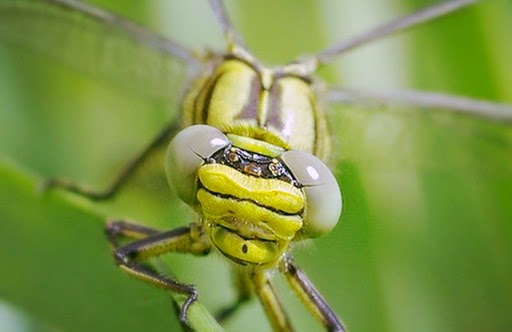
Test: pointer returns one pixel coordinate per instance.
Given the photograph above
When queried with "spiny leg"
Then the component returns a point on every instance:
(121, 178)
(151, 243)
(268, 298)
(243, 290)
(177, 310)
(120, 229)
(310, 296)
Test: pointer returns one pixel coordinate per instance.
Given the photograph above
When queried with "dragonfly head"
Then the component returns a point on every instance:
(254, 198)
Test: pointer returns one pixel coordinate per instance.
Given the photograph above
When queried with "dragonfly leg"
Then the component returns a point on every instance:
(177, 310)
(310, 296)
(120, 229)
(271, 303)
(244, 291)
(150, 243)
(122, 177)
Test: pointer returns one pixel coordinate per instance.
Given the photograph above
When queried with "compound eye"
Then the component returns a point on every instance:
(323, 195)
(186, 153)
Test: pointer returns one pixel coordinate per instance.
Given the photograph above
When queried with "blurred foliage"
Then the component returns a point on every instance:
(425, 241)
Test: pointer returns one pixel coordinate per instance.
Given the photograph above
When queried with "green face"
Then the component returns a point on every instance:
(253, 198)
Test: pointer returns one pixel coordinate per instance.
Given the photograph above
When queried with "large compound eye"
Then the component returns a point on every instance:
(323, 195)
(186, 152)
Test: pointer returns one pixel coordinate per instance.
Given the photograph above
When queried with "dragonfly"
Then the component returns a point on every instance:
(235, 144)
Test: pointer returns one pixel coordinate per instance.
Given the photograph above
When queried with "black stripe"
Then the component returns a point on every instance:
(225, 196)
(210, 89)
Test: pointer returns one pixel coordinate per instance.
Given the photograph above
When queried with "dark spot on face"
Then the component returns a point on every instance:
(245, 249)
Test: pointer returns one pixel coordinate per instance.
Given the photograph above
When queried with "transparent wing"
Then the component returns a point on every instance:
(96, 42)
(412, 20)
(424, 100)
(429, 134)
(424, 131)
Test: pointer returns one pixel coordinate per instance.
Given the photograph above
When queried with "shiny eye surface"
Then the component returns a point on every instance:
(186, 152)
(323, 195)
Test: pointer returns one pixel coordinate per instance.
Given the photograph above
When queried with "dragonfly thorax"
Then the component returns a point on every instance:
(246, 99)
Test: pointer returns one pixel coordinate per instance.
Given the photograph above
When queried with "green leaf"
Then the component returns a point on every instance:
(57, 265)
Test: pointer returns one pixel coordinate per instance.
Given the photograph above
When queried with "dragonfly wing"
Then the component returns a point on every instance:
(427, 100)
(98, 43)
(417, 130)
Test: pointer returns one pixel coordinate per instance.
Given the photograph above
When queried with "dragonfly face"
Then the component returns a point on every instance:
(398, 195)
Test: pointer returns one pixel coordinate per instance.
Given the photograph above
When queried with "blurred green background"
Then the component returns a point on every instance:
(425, 240)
